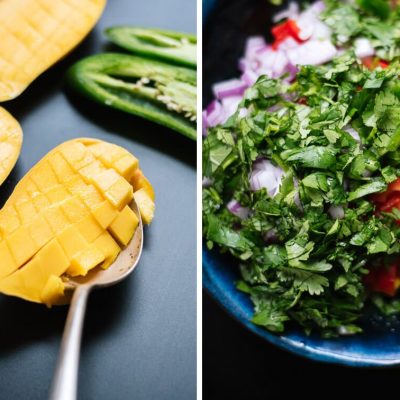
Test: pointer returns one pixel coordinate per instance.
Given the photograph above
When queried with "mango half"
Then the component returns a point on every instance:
(37, 33)
(69, 214)
(10, 143)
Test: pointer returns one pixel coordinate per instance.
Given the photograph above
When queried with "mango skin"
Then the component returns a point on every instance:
(10, 143)
(68, 215)
(36, 34)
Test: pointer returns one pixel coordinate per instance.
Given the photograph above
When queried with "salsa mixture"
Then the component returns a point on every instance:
(301, 167)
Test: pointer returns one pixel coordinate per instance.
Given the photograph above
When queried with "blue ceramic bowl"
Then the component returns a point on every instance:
(379, 345)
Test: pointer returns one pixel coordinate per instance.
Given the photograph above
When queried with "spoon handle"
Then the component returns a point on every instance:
(65, 380)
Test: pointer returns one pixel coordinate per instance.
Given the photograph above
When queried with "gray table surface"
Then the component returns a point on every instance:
(140, 336)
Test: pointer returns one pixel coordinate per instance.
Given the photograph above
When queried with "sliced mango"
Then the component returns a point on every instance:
(68, 215)
(145, 205)
(36, 34)
(10, 141)
(124, 225)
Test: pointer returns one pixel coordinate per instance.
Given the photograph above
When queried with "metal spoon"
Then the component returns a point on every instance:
(65, 380)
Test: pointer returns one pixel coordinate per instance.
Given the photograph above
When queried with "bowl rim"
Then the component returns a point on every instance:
(297, 347)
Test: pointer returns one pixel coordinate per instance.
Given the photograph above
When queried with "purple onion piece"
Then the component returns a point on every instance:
(237, 209)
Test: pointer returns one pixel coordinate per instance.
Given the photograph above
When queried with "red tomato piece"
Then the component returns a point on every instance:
(382, 280)
(373, 62)
(384, 64)
(392, 202)
(285, 30)
(381, 198)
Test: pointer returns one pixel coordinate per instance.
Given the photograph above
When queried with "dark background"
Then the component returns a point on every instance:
(140, 336)
(237, 364)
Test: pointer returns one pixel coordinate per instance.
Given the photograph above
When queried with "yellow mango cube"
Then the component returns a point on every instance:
(89, 228)
(60, 167)
(76, 155)
(26, 211)
(40, 201)
(9, 224)
(139, 181)
(120, 193)
(74, 209)
(53, 290)
(145, 205)
(105, 179)
(43, 176)
(109, 247)
(57, 194)
(24, 282)
(28, 282)
(72, 242)
(8, 264)
(98, 148)
(104, 214)
(40, 231)
(124, 225)
(91, 170)
(91, 196)
(31, 189)
(21, 245)
(56, 218)
(53, 259)
(75, 184)
(126, 166)
(86, 260)
(111, 154)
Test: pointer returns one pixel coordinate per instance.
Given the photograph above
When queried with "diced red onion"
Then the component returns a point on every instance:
(288, 43)
(318, 7)
(352, 132)
(230, 105)
(232, 87)
(313, 52)
(296, 197)
(215, 114)
(276, 62)
(266, 175)
(363, 48)
(270, 236)
(253, 44)
(237, 209)
(249, 77)
(207, 182)
(336, 212)
(291, 12)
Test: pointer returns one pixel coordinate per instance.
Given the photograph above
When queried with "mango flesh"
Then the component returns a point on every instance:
(69, 214)
(10, 143)
(37, 33)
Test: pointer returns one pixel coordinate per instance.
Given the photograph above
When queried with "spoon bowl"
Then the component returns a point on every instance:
(64, 386)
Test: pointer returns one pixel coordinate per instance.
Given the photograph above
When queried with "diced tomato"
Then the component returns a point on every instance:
(384, 64)
(394, 186)
(369, 62)
(382, 280)
(387, 200)
(392, 202)
(302, 100)
(373, 62)
(285, 30)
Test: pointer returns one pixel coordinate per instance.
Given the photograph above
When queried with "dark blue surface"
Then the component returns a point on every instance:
(379, 345)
